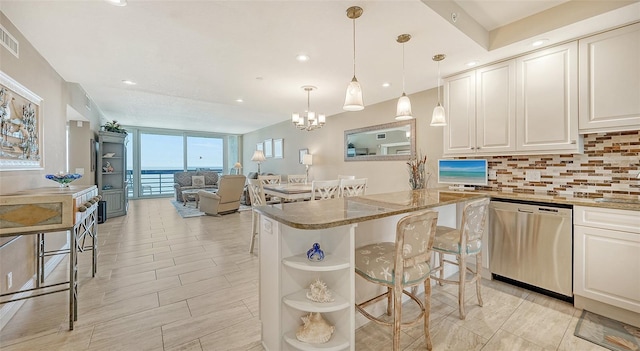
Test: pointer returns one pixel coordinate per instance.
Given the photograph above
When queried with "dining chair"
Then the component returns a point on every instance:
(346, 177)
(405, 263)
(271, 180)
(325, 189)
(462, 242)
(296, 178)
(256, 194)
(353, 187)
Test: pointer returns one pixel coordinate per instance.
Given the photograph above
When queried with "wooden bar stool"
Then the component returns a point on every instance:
(462, 243)
(398, 265)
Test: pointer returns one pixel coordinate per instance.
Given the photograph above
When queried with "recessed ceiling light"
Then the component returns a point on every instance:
(302, 58)
(239, 100)
(117, 2)
(128, 82)
(539, 42)
(471, 63)
(386, 84)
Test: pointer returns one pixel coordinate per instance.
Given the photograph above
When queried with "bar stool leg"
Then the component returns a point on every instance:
(479, 277)
(462, 263)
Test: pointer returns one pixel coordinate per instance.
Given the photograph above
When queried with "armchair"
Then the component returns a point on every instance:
(227, 199)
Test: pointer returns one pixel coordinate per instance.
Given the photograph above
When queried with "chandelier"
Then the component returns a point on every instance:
(308, 120)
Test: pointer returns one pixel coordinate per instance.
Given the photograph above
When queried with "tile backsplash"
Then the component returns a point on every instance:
(608, 168)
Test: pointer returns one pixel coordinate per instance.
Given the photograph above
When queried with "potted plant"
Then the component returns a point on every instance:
(113, 127)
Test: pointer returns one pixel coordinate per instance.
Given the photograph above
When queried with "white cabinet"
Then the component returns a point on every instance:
(481, 111)
(460, 106)
(527, 105)
(610, 81)
(547, 100)
(496, 108)
(284, 263)
(607, 258)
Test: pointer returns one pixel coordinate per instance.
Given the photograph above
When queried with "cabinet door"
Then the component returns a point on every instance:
(610, 81)
(460, 106)
(547, 100)
(607, 266)
(115, 202)
(496, 108)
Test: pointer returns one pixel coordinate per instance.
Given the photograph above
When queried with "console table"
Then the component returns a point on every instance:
(339, 226)
(47, 210)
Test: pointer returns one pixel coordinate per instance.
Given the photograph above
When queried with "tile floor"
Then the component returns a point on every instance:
(168, 283)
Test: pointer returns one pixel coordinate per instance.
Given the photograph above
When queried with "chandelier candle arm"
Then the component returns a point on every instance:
(353, 97)
(438, 119)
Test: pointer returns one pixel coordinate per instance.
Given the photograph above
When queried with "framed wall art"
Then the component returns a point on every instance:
(278, 148)
(260, 146)
(268, 148)
(301, 154)
(21, 146)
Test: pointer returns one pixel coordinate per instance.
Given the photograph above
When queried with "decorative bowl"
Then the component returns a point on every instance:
(64, 179)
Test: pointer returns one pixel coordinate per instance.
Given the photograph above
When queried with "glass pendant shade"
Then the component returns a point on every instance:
(403, 109)
(438, 119)
(353, 99)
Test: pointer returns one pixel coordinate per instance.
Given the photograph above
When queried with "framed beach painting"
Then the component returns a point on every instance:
(268, 148)
(301, 154)
(278, 148)
(21, 146)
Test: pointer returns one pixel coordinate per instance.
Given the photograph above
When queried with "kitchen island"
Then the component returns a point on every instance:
(339, 226)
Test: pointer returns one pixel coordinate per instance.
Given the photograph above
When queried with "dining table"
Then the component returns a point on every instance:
(288, 191)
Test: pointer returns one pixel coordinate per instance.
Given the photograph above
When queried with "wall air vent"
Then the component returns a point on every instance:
(8, 41)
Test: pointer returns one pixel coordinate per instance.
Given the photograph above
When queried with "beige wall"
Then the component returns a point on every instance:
(327, 146)
(34, 72)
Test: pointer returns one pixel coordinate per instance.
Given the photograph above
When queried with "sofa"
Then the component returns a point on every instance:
(227, 199)
(184, 181)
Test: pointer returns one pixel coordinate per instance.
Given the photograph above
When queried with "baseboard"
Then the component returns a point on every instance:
(9, 310)
(609, 311)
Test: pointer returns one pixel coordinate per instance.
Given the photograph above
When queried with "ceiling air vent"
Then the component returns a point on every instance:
(8, 41)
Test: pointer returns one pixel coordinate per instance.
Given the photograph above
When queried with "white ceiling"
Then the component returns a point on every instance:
(192, 59)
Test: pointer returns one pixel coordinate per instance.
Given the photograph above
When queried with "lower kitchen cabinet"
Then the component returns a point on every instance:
(607, 260)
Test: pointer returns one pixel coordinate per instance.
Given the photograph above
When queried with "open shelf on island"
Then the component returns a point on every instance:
(330, 263)
(336, 343)
(299, 301)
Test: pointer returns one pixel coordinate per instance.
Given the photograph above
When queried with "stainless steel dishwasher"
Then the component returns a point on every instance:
(533, 244)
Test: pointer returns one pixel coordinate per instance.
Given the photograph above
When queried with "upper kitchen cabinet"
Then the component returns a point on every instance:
(547, 101)
(496, 108)
(610, 81)
(460, 104)
(481, 109)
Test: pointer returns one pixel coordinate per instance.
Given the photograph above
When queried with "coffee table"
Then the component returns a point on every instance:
(192, 195)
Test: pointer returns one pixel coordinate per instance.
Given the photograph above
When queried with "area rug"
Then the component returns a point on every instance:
(613, 335)
(190, 209)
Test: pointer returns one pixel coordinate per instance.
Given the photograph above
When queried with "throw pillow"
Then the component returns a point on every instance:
(197, 180)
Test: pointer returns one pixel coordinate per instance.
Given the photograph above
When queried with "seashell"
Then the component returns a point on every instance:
(315, 330)
(319, 292)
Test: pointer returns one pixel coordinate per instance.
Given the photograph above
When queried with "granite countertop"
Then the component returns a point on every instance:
(633, 205)
(349, 210)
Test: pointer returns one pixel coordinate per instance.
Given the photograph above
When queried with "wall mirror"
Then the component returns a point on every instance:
(384, 142)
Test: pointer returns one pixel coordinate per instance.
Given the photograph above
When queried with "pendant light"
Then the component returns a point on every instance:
(353, 99)
(403, 109)
(438, 119)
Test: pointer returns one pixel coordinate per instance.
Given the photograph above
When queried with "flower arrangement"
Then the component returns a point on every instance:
(417, 172)
(114, 127)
